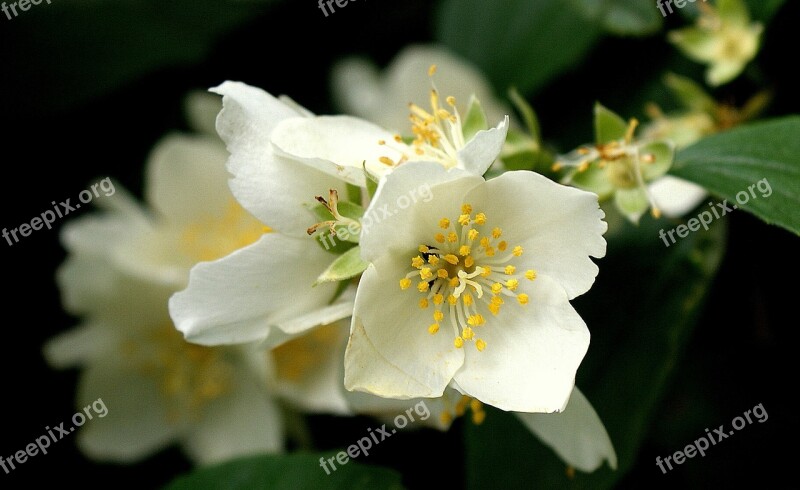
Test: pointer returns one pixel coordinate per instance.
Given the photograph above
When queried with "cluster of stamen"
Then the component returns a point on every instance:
(438, 135)
(621, 159)
(465, 271)
(460, 408)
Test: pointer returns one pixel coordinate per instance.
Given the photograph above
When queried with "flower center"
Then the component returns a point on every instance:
(438, 134)
(465, 273)
(188, 375)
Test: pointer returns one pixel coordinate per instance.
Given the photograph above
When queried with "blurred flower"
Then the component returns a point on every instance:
(460, 271)
(699, 116)
(617, 165)
(383, 98)
(723, 38)
(122, 267)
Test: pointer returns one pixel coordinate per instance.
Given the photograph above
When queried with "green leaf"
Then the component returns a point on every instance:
(759, 162)
(288, 472)
(641, 312)
(346, 266)
(527, 113)
(608, 126)
(690, 94)
(522, 43)
(92, 48)
(624, 17)
(475, 119)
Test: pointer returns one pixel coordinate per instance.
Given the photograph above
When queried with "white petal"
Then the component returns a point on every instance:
(275, 190)
(675, 197)
(559, 227)
(390, 352)
(186, 177)
(532, 353)
(357, 88)
(79, 345)
(336, 145)
(412, 198)
(312, 379)
(483, 149)
(136, 424)
(323, 315)
(238, 298)
(201, 110)
(240, 423)
(577, 434)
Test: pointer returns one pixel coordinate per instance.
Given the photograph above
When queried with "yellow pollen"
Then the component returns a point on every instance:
(463, 250)
(433, 259)
(496, 233)
(442, 273)
(446, 418)
(557, 166)
(530, 275)
(425, 273)
(473, 234)
(454, 282)
(510, 269)
(439, 238)
(423, 303)
(398, 138)
(386, 161)
(452, 300)
(438, 299)
(381, 142)
(497, 300)
(451, 101)
(495, 309)
(480, 344)
(523, 299)
(479, 417)
(458, 342)
(438, 315)
(490, 252)
(480, 218)
(431, 70)
(502, 246)
(444, 223)
(417, 262)
(467, 333)
(464, 219)
(469, 262)
(517, 251)
(451, 259)
(486, 271)
(583, 167)
(405, 283)
(422, 286)
(467, 299)
(512, 284)
(423, 249)
(496, 288)
(433, 328)
(452, 237)
(466, 209)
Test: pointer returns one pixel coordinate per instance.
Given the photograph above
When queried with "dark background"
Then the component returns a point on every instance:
(742, 352)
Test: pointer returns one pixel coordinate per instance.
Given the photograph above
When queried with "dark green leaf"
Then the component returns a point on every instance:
(758, 162)
(346, 266)
(624, 17)
(522, 43)
(287, 472)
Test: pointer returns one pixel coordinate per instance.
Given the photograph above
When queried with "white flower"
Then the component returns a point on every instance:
(121, 269)
(472, 289)
(383, 97)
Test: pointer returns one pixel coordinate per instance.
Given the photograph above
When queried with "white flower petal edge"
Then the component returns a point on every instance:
(276, 190)
(676, 197)
(483, 149)
(239, 298)
(339, 146)
(577, 434)
(547, 341)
